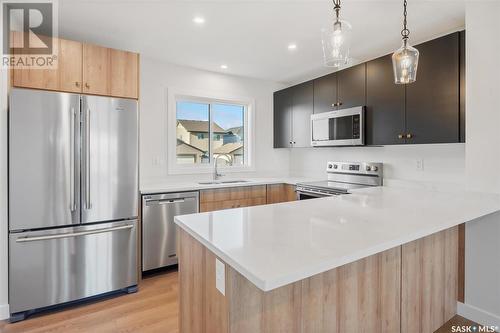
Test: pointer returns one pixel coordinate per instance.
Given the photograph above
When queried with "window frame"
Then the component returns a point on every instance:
(174, 96)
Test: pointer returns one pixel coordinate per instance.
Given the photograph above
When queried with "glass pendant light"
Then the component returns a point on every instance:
(336, 40)
(405, 59)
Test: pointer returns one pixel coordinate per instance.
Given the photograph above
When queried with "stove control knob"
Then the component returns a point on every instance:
(374, 168)
(330, 166)
(368, 168)
(335, 166)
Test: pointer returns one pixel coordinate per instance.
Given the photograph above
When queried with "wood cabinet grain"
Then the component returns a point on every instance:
(85, 68)
(233, 197)
(430, 281)
(124, 74)
(277, 193)
(66, 76)
(409, 288)
(96, 70)
(70, 66)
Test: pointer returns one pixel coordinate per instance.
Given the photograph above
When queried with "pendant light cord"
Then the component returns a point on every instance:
(405, 32)
(336, 7)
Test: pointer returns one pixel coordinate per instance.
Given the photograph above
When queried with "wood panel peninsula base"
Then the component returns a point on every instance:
(409, 288)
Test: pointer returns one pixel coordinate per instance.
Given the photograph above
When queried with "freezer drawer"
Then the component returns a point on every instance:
(60, 265)
(158, 227)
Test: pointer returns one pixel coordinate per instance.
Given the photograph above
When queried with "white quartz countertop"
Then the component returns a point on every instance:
(165, 187)
(274, 245)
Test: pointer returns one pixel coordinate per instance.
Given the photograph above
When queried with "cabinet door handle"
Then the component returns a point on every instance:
(400, 136)
(334, 104)
(339, 103)
(409, 136)
(77, 84)
(87, 86)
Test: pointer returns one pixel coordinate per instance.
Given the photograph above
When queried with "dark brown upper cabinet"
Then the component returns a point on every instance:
(340, 90)
(283, 118)
(302, 108)
(462, 86)
(430, 110)
(432, 102)
(293, 108)
(385, 104)
(351, 87)
(325, 93)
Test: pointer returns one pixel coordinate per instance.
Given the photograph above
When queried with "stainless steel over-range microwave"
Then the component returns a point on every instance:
(339, 128)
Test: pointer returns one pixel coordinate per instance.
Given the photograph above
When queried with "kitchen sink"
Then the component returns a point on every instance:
(223, 182)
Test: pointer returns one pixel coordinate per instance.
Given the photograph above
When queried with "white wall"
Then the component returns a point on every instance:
(157, 77)
(4, 309)
(482, 289)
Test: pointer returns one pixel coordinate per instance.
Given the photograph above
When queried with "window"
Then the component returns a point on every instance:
(210, 130)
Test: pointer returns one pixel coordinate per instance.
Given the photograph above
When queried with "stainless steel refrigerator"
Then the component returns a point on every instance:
(73, 197)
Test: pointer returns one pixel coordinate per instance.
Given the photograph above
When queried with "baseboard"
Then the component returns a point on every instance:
(478, 315)
(4, 311)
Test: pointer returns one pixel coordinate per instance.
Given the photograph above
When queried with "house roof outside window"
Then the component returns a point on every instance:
(199, 126)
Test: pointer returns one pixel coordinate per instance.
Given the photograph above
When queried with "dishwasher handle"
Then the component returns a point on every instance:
(157, 202)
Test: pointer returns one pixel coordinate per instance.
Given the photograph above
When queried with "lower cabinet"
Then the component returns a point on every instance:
(245, 196)
(277, 193)
(233, 197)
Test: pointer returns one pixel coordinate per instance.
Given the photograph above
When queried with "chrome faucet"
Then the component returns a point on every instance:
(217, 175)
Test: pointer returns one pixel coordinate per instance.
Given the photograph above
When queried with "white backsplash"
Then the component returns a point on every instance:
(418, 164)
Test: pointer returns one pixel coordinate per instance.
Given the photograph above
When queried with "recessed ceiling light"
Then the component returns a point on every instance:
(198, 20)
(223, 66)
(292, 46)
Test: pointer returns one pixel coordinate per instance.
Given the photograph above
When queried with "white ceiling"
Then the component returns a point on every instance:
(251, 37)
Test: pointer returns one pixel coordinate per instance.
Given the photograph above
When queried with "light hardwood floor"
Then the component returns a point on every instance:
(153, 309)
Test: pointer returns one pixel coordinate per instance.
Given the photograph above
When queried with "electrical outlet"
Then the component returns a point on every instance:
(420, 164)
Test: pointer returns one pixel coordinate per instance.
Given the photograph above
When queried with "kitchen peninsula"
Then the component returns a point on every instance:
(381, 259)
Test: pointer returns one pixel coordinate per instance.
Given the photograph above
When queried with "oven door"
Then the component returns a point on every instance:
(338, 128)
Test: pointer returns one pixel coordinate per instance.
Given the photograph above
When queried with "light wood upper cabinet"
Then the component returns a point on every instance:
(67, 76)
(85, 68)
(96, 65)
(70, 65)
(124, 72)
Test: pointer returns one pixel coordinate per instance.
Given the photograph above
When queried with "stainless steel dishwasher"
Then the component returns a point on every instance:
(158, 227)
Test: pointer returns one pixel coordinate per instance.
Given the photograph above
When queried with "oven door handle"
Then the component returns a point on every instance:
(320, 194)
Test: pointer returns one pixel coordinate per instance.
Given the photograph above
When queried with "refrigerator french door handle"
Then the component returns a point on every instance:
(72, 161)
(73, 234)
(88, 203)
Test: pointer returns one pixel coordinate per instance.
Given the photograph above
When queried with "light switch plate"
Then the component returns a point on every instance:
(220, 276)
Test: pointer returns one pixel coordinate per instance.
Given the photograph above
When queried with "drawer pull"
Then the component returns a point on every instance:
(72, 234)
